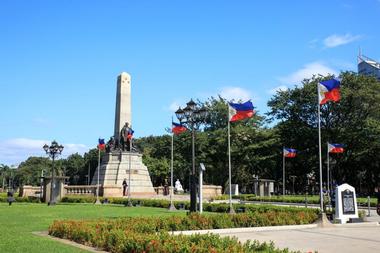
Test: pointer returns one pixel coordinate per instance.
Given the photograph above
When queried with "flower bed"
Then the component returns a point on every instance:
(150, 234)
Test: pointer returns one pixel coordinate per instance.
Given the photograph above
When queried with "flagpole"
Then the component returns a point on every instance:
(97, 184)
(328, 169)
(129, 173)
(283, 171)
(320, 153)
(232, 211)
(172, 207)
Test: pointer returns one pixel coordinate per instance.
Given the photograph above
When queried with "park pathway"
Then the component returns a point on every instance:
(357, 237)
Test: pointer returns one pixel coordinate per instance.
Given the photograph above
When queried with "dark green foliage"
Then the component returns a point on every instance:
(209, 207)
(149, 234)
(256, 149)
(354, 121)
(251, 150)
(29, 171)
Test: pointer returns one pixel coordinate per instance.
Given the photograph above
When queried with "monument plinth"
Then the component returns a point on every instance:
(118, 163)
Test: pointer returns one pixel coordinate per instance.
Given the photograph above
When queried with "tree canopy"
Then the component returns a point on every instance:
(256, 145)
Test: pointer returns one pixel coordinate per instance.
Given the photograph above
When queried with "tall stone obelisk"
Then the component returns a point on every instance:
(123, 111)
(117, 164)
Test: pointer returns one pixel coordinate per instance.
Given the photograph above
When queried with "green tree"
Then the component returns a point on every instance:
(29, 171)
(74, 166)
(252, 149)
(4, 175)
(354, 121)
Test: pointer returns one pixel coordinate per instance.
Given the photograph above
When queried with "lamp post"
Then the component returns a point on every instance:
(192, 116)
(53, 151)
(293, 178)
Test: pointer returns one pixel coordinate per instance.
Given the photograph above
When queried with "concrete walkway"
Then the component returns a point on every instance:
(324, 240)
(357, 237)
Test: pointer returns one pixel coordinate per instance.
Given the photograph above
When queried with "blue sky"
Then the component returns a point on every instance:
(59, 60)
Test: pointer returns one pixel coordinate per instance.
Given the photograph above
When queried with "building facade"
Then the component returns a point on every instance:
(367, 66)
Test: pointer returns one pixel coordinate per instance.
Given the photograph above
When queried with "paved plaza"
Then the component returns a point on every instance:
(364, 237)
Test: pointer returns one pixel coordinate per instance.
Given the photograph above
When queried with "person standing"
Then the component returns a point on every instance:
(377, 194)
(125, 185)
(10, 198)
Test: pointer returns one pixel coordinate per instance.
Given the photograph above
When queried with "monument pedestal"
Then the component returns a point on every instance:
(115, 167)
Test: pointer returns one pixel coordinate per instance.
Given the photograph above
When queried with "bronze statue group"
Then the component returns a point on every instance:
(124, 143)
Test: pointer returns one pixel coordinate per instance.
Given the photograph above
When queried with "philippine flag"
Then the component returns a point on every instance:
(240, 111)
(101, 144)
(335, 148)
(290, 152)
(178, 128)
(130, 134)
(329, 91)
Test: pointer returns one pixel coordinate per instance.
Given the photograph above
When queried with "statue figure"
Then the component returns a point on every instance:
(178, 186)
(166, 187)
(126, 134)
(110, 144)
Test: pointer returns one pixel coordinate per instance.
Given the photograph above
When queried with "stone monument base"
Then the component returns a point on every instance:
(117, 166)
(211, 191)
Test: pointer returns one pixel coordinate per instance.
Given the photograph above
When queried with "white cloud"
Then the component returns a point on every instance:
(310, 69)
(336, 40)
(14, 151)
(277, 89)
(235, 93)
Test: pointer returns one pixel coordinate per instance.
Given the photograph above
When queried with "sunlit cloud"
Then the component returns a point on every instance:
(277, 89)
(336, 40)
(14, 151)
(307, 71)
(235, 94)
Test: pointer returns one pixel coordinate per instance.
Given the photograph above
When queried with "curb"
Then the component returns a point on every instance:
(68, 242)
(245, 230)
(359, 224)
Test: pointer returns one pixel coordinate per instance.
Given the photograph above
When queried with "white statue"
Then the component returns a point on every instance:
(178, 186)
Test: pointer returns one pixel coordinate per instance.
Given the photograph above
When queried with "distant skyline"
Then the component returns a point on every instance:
(60, 60)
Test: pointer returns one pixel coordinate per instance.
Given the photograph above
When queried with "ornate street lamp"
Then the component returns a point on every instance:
(192, 116)
(53, 151)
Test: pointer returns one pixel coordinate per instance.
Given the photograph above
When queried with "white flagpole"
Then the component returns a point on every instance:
(229, 166)
(283, 171)
(97, 184)
(328, 169)
(172, 207)
(129, 173)
(320, 152)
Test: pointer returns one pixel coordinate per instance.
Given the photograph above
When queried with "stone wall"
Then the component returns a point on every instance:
(30, 191)
(210, 191)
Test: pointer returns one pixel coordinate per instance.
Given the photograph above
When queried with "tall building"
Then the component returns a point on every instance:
(367, 66)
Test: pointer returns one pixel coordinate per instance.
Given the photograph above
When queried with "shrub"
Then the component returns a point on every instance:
(29, 199)
(148, 234)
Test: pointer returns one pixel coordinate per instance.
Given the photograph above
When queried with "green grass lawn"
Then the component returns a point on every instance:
(17, 222)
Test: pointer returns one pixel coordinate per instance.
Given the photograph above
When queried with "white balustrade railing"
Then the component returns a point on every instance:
(80, 190)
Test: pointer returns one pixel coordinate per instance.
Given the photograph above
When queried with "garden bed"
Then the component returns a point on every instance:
(150, 234)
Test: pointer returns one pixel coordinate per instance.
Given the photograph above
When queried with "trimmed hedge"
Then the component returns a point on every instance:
(29, 199)
(150, 234)
(311, 199)
(208, 207)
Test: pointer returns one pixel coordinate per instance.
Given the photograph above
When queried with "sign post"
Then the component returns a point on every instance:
(346, 204)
